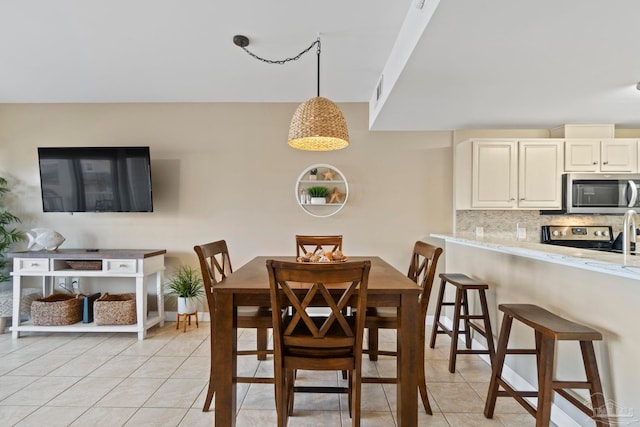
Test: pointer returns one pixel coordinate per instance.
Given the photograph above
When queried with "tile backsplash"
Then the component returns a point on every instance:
(502, 224)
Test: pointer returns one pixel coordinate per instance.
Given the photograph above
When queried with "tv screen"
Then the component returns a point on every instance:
(95, 179)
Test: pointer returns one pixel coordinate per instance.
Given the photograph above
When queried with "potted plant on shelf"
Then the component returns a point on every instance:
(313, 174)
(8, 236)
(187, 285)
(318, 195)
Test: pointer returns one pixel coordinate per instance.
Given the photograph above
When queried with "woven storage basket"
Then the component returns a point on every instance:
(117, 309)
(57, 310)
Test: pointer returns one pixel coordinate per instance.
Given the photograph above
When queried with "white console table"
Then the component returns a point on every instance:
(136, 264)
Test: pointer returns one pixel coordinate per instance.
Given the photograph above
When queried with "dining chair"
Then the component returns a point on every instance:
(215, 265)
(308, 342)
(422, 270)
(306, 244)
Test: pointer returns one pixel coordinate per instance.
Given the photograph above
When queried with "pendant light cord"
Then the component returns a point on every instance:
(243, 44)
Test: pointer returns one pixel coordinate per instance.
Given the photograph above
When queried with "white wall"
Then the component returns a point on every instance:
(225, 171)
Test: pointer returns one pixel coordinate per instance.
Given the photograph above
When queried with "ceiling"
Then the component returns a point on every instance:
(478, 64)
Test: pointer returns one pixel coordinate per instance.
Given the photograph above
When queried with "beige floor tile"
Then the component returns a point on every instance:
(114, 345)
(104, 417)
(180, 347)
(197, 418)
(151, 417)
(504, 405)
(51, 417)
(259, 396)
(79, 345)
(193, 367)
(146, 347)
(11, 415)
(370, 419)
(311, 418)
(516, 420)
(86, 392)
(40, 391)
(119, 366)
(456, 397)
(80, 366)
(470, 420)
(176, 393)
(131, 393)
(257, 417)
(159, 367)
(11, 384)
(42, 365)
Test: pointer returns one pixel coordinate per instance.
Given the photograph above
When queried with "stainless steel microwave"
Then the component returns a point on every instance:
(598, 193)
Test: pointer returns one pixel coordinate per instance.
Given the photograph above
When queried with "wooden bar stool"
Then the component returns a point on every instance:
(463, 283)
(548, 328)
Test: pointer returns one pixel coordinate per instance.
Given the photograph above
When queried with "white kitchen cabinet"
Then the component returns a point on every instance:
(494, 174)
(601, 155)
(539, 174)
(512, 174)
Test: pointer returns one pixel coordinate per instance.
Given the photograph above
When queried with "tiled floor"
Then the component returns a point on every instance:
(67, 379)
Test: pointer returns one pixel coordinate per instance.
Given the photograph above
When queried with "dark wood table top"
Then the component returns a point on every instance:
(253, 277)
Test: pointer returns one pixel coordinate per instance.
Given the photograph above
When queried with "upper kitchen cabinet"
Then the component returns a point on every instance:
(508, 174)
(494, 174)
(539, 174)
(601, 155)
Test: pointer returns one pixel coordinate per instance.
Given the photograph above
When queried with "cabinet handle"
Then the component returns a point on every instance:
(122, 265)
(511, 199)
(34, 264)
(595, 163)
(522, 199)
(605, 163)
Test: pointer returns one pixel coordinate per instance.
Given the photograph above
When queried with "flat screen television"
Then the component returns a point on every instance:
(95, 179)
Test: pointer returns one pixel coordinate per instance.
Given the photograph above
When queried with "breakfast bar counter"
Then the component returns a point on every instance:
(598, 289)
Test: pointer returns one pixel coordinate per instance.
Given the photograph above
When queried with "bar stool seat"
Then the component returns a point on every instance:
(463, 284)
(548, 328)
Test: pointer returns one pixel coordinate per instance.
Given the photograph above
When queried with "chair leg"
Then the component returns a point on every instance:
(436, 317)
(262, 337)
(290, 381)
(454, 330)
(373, 344)
(422, 380)
(211, 389)
(356, 392)
(496, 371)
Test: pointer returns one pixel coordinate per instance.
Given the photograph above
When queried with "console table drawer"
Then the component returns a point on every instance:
(120, 265)
(33, 264)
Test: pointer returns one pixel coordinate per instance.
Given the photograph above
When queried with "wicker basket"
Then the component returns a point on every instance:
(85, 265)
(117, 309)
(57, 310)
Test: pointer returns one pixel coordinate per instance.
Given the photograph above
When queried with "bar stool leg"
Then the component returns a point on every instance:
(454, 330)
(465, 310)
(545, 382)
(436, 316)
(487, 325)
(497, 366)
(261, 342)
(597, 397)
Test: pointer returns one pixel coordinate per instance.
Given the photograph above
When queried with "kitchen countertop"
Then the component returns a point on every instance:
(586, 259)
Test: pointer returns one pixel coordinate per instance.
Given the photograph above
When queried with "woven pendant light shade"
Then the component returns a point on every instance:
(318, 125)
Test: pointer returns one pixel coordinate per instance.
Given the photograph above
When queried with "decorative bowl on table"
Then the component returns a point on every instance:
(323, 257)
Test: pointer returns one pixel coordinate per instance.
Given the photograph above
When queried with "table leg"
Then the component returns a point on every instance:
(225, 360)
(407, 388)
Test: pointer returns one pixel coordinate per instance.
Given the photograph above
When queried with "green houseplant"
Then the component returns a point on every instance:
(186, 284)
(313, 174)
(8, 235)
(318, 195)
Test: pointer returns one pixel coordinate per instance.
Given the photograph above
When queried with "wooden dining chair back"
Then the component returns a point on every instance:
(422, 270)
(312, 244)
(215, 266)
(308, 342)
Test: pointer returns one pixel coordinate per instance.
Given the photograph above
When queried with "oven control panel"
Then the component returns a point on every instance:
(583, 233)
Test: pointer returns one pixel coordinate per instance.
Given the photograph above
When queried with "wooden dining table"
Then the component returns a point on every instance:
(249, 286)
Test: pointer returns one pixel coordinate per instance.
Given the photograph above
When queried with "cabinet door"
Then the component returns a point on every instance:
(582, 155)
(540, 174)
(619, 155)
(494, 174)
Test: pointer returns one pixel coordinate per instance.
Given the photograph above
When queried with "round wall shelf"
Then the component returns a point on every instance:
(329, 177)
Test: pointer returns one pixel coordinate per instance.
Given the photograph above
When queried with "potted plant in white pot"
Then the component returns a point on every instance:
(186, 284)
(313, 174)
(318, 195)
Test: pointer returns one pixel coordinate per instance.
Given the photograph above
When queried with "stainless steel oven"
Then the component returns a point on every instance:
(596, 193)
